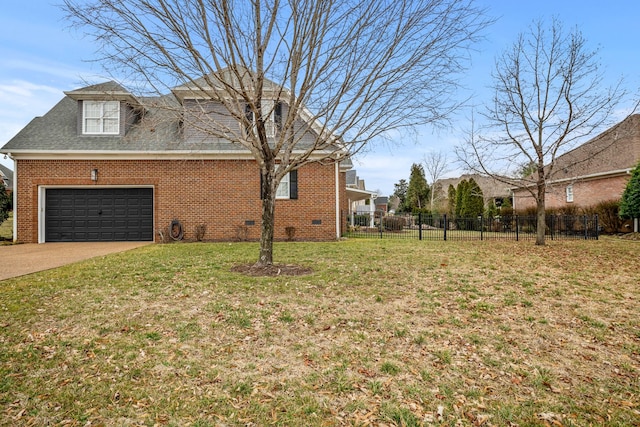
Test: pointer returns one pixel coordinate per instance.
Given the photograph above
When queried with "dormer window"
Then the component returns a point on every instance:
(101, 117)
(273, 119)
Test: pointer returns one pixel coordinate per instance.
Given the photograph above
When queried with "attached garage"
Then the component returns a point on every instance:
(98, 214)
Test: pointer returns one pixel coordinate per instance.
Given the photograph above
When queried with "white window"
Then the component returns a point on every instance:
(101, 117)
(569, 191)
(288, 187)
(283, 188)
(272, 122)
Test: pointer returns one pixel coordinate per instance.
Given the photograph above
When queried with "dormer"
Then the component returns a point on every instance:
(105, 109)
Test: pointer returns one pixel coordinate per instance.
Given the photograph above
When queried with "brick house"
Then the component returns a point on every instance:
(101, 165)
(593, 172)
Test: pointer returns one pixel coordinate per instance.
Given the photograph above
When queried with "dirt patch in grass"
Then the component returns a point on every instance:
(272, 270)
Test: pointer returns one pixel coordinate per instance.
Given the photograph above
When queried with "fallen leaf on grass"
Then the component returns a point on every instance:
(366, 372)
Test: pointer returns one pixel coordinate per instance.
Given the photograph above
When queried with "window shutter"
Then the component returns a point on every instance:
(248, 114)
(293, 184)
(277, 116)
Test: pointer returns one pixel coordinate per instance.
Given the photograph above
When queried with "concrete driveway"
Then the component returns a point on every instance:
(18, 260)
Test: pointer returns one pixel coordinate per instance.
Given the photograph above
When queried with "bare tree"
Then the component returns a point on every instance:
(354, 71)
(436, 165)
(549, 96)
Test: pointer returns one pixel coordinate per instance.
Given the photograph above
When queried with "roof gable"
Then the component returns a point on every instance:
(107, 91)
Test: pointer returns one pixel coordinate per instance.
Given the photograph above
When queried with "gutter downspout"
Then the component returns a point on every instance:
(14, 196)
(337, 169)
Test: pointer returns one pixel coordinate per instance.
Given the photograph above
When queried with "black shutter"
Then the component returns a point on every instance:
(249, 116)
(277, 116)
(293, 184)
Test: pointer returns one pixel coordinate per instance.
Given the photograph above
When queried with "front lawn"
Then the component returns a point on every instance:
(402, 333)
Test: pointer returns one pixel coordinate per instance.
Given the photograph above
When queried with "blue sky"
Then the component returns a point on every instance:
(40, 57)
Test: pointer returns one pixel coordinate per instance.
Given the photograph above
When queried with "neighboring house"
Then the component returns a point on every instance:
(492, 189)
(361, 200)
(6, 175)
(382, 204)
(594, 172)
(101, 165)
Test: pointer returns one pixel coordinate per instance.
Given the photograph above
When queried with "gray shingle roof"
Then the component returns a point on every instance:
(615, 149)
(159, 130)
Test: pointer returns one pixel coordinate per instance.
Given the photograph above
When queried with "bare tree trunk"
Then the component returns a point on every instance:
(266, 235)
(268, 197)
(540, 215)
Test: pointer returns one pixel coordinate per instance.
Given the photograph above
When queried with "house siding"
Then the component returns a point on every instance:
(585, 193)
(222, 194)
(199, 115)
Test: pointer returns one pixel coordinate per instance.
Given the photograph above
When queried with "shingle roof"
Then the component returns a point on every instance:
(57, 131)
(158, 131)
(616, 149)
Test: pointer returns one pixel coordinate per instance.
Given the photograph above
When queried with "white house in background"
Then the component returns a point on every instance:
(361, 201)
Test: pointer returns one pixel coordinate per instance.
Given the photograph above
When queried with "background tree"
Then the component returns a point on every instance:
(5, 203)
(435, 166)
(549, 95)
(630, 203)
(474, 199)
(418, 190)
(506, 208)
(469, 199)
(451, 199)
(492, 209)
(462, 190)
(361, 69)
(400, 191)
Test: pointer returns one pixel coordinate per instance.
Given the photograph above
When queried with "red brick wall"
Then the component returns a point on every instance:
(585, 193)
(223, 194)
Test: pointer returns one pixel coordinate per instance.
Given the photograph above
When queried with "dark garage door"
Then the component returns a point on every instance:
(98, 214)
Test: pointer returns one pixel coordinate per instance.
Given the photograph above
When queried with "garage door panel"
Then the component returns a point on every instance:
(98, 214)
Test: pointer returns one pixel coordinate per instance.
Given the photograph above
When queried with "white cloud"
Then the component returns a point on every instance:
(20, 102)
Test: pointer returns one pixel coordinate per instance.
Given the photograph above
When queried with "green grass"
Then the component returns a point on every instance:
(399, 333)
(6, 228)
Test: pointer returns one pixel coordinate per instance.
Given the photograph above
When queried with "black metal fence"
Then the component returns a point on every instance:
(443, 227)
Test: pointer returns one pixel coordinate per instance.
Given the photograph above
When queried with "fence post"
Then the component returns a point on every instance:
(586, 230)
(481, 227)
(446, 225)
(419, 225)
(381, 225)
(597, 227)
(552, 225)
(517, 236)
